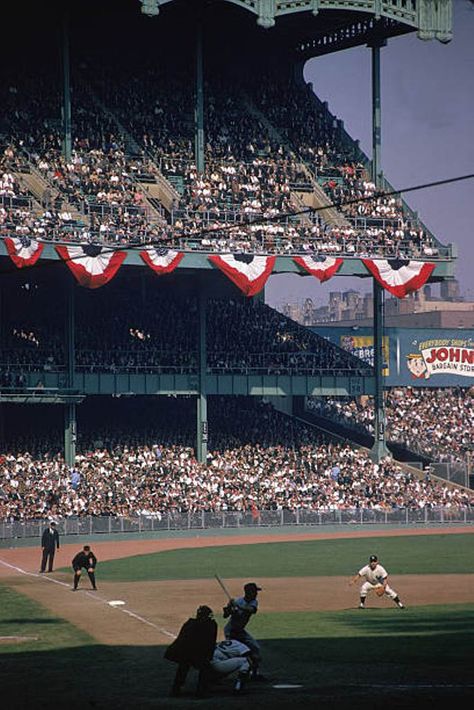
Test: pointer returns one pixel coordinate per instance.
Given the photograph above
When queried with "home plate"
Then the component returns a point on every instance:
(285, 686)
(116, 602)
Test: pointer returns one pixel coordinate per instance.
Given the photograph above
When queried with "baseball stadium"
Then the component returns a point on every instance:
(176, 454)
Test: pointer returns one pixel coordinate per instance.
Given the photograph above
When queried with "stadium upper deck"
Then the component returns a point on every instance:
(155, 332)
(270, 147)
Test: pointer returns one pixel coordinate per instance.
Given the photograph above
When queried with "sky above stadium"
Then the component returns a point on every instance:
(427, 135)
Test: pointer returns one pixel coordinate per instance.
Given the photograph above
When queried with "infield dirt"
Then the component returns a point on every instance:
(154, 611)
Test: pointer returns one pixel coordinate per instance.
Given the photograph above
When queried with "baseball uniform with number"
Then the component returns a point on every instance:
(230, 657)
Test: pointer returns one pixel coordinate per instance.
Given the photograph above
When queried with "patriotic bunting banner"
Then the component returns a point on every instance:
(92, 265)
(323, 268)
(23, 251)
(249, 273)
(400, 277)
(162, 261)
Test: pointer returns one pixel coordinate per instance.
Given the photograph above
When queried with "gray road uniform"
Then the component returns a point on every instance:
(231, 657)
(235, 627)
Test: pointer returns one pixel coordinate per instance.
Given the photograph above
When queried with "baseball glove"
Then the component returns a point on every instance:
(380, 590)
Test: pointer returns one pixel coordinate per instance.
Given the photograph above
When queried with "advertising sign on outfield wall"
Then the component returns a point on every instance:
(363, 346)
(414, 357)
(441, 356)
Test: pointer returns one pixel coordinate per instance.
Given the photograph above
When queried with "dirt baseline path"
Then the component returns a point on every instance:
(154, 611)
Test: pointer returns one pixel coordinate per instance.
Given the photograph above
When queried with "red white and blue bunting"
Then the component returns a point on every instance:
(92, 265)
(95, 265)
(400, 277)
(162, 261)
(249, 273)
(323, 268)
(23, 251)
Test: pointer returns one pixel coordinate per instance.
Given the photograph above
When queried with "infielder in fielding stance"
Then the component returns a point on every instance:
(240, 610)
(376, 579)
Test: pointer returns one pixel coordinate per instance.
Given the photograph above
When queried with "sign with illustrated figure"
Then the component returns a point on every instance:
(441, 356)
(415, 357)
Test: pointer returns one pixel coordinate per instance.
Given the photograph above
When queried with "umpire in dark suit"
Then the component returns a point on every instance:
(49, 544)
(194, 646)
(85, 559)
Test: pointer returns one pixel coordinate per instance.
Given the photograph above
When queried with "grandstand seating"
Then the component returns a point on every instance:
(264, 148)
(158, 333)
(135, 458)
(413, 419)
(270, 149)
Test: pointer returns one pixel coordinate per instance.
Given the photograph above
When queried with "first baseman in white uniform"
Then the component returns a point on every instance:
(375, 578)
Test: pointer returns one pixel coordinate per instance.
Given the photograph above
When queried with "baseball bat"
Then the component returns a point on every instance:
(223, 587)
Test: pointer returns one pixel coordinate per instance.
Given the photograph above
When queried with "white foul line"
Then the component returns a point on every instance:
(93, 596)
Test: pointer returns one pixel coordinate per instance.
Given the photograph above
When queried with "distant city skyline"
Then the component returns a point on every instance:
(427, 135)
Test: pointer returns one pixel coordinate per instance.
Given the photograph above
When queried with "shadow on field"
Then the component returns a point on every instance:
(404, 623)
(390, 671)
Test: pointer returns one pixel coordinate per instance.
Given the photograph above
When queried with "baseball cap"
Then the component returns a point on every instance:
(204, 612)
(373, 558)
(252, 587)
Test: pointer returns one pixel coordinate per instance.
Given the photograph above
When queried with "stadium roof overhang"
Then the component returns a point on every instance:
(308, 28)
(198, 261)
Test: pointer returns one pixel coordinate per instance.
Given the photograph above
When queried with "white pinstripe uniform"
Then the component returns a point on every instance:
(373, 578)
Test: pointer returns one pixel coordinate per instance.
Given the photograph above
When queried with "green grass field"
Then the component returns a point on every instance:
(434, 554)
(380, 658)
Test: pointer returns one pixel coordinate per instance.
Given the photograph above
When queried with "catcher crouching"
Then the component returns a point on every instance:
(376, 579)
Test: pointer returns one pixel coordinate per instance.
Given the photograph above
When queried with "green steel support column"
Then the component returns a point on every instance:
(70, 408)
(202, 426)
(70, 434)
(199, 107)
(379, 449)
(376, 116)
(66, 108)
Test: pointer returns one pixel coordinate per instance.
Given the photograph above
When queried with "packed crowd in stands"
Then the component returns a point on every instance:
(317, 138)
(258, 460)
(435, 422)
(156, 333)
(254, 170)
(271, 342)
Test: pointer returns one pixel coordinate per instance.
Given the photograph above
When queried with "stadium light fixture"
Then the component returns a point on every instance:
(150, 8)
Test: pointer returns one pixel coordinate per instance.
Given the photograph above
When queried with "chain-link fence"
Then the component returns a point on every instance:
(454, 472)
(203, 520)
